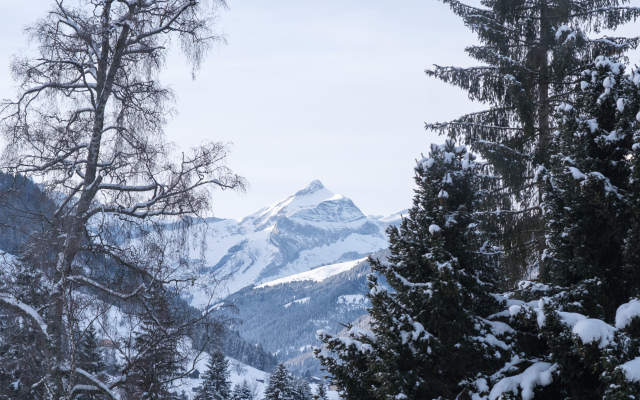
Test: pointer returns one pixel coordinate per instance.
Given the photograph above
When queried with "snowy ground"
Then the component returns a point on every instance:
(239, 372)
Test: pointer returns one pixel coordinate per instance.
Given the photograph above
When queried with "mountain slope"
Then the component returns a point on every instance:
(285, 314)
(313, 227)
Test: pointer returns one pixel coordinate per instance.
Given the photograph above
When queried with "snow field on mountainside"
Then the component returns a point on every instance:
(316, 275)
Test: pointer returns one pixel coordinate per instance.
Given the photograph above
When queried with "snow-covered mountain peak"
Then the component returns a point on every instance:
(311, 204)
(310, 228)
(311, 188)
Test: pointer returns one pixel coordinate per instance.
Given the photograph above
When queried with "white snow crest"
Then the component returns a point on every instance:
(316, 275)
(631, 369)
(591, 330)
(433, 228)
(562, 29)
(576, 173)
(602, 61)
(538, 374)
(626, 313)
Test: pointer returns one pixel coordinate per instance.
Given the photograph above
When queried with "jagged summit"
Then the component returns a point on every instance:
(310, 228)
(311, 188)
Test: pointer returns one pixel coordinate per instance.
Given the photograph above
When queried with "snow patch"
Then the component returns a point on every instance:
(626, 313)
(594, 330)
(300, 301)
(316, 275)
(632, 369)
(537, 374)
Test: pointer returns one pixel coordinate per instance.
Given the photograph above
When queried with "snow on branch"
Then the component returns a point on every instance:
(91, 282)
(28, 310)
(101, 386)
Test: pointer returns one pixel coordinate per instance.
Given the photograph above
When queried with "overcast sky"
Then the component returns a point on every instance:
(332, 90)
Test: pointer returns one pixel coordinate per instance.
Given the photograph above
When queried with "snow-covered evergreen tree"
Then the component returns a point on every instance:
(280, 385)
(531, 53)
(89, 357)
(321, 392)
(301, 389)
(429, 337)
(157, 359)
(579, 335)
(242, 391)
(215, 381)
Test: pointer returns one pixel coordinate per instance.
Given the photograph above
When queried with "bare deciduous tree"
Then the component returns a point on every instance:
(87, 126)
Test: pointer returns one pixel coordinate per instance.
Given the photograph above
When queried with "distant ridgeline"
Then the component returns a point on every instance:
(24, 208)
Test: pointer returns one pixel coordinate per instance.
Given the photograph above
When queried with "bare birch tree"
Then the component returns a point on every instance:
(87, 125)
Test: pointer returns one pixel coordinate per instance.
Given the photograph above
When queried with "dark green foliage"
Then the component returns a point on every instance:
(585, 197)
(428, 329)
(215, 381)
(531, 53)
(589, 203)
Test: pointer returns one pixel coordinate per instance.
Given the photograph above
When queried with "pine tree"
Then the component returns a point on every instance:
(429, 337)
(156, 364)
(215, 381)
(242, 391)
(321, 392)
(279, 387)
(301, 389)
(583, 331)
(532, 52)
(89, 357)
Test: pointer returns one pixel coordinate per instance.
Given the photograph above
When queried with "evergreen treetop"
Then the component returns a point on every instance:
(280, 385)
(429, 333)
(215, 381)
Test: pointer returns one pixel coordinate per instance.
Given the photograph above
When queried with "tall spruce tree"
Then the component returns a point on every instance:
(532, 52)
(215, 381)
(581, 340)
(429, 334)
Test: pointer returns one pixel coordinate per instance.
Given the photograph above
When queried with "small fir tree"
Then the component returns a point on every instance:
(301, 389)
(242, 391)
(279, 387)
(215, 381)
(321, 392)
(157, 364)
(89, 357)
